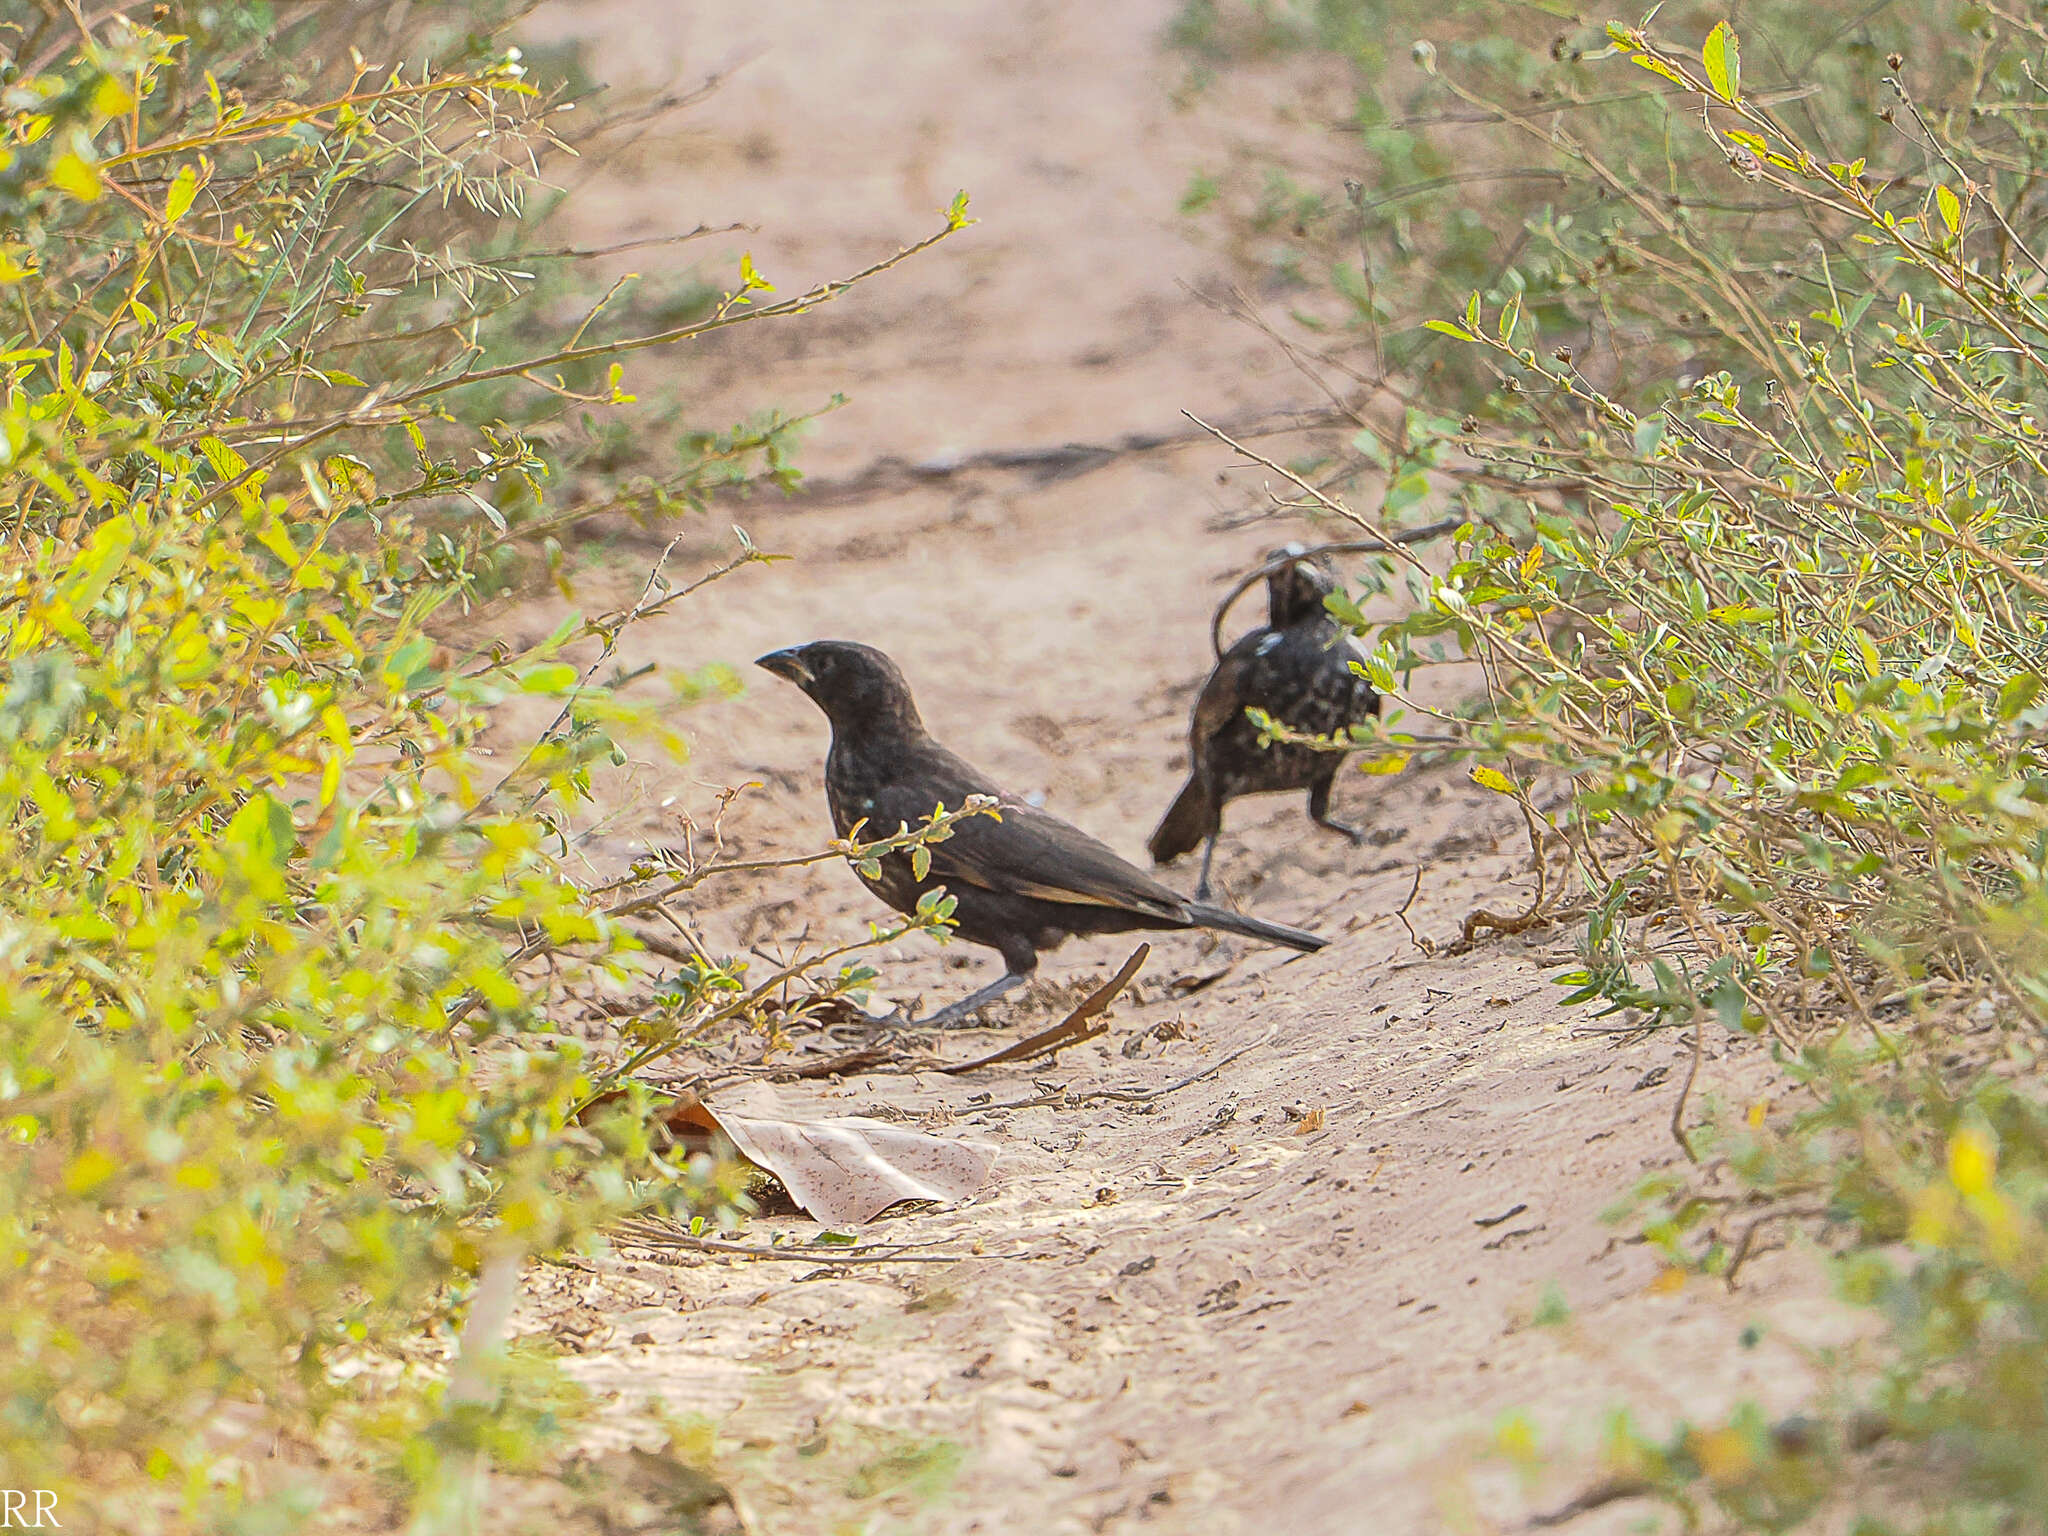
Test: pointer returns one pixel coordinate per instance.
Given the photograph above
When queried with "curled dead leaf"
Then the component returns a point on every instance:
(848, 1168)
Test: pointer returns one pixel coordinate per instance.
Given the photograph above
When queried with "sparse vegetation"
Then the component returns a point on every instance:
(1755, 571)
(1730, 352)
(284, 911)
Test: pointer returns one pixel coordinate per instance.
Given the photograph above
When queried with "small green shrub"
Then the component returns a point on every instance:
(276, 1065)
(1765, 663)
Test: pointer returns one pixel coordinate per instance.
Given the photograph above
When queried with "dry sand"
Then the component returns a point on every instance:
(1186, 1315)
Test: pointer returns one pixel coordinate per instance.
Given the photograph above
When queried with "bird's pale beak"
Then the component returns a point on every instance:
(789, 664)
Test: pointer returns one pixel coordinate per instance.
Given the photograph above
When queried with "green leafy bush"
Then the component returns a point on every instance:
(1766, 666)
(277, 1070)
(1509, 151)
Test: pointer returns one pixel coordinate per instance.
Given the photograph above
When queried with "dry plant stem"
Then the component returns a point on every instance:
(1534, 914)
(471, 1382)
(483, 1330)
(611, 644)
(746, 1002)
(1612, 1491)
(394, 412)
(1745, 1245)
(1071, 1030)
(1422, 946)
(845, 847)
(654, 1236)
(1692, 1072)
(1389, 543)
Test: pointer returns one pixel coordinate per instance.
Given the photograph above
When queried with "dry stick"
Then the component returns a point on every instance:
(592, 252)
(1793, 1436)
(1401, 912)
(1327, 502)
(655, 1237)
(1343, 547)
(611, 644)
(1071, 1030)
(731, 314)
(1746, 1244)
(1535, 915)
(1699, 1050)
(482, 1346)
(1612, 1491)
(648, 1054)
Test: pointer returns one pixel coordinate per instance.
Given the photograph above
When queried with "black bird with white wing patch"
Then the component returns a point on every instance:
(1297, 668)
(1022, 883)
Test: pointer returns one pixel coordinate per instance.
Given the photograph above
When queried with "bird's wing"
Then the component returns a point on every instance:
(1026, 853)
(1222, 699)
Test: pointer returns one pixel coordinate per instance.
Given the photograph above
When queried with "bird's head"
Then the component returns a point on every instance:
(856, 685)
(1295, 590)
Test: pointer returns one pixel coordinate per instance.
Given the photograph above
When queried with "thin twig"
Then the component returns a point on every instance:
(1071, 1030)
(654, 1236)
(1699, 1049)
(1401, 912)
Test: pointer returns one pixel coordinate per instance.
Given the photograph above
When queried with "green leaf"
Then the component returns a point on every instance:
(2019, 691)
(1449, 329)
(257, 843)
(77, 176)
(95, 567)
(1657, 66)
(184, 187)
(1405, 492)
(1722, 57)
(1951, 209)
(1493, 779)
(225, 461)
(548, 677)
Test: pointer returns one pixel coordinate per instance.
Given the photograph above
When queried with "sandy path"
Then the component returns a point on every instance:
(1188, 1316)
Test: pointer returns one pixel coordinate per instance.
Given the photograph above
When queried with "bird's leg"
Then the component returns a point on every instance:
(1319, 812)
(1208, 853)
(968, 1006)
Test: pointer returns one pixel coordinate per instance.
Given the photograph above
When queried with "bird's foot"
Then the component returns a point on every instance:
(958, 1015)
(945, 1018)
(1357, 836)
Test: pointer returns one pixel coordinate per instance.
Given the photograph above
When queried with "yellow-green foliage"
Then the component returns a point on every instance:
(1774, 640)
(272, 1086)
(1786, 638)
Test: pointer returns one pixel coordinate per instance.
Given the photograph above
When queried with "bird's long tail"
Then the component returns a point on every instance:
(1206, 916)
(1191, 817)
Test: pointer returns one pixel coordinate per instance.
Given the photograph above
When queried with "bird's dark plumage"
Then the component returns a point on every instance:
(1020, 884)
(1297, 668)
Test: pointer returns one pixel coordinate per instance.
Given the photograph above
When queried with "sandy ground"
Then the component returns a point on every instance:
(1177, 1313)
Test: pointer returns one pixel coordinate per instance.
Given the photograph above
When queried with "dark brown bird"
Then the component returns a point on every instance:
(1298, 670)
(1020, 884)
